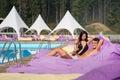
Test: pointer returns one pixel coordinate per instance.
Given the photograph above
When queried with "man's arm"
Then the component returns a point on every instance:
(99, 44)
(90, 40)
(85, 54)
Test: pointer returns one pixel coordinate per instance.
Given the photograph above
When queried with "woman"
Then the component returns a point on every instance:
(81, 46)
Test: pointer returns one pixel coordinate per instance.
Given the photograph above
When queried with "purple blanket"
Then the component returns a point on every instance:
(108, 55)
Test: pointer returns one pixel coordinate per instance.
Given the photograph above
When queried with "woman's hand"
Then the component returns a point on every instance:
(73, 53)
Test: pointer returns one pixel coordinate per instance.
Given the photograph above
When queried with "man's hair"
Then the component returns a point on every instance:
(96, 39)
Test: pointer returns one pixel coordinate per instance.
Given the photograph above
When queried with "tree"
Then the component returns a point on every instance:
(52, 11)
(3, 8)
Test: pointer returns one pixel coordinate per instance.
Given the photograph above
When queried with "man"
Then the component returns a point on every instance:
(96, 44)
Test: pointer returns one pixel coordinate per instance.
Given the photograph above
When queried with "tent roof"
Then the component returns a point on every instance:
(39, 25)
(68, 22)
(14, 21)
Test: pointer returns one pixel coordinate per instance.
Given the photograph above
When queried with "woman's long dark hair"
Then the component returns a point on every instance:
(80, 36)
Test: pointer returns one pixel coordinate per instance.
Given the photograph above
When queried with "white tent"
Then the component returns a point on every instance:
(68, 23)
(14, 21)
(39, 25)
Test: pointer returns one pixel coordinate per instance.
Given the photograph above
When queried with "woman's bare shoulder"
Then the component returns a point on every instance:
(76, 41)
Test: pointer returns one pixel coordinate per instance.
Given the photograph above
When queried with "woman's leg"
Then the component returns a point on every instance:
(59, 51)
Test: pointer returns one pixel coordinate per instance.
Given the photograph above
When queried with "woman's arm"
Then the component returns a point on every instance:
(81, 50)
(84, 44)
(76, 45)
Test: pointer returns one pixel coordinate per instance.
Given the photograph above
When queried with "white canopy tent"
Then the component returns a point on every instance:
(68, 23)
(39, 25)
(14, 21)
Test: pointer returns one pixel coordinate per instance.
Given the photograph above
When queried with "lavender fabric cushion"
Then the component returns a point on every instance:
(107, 72)
(42, 64)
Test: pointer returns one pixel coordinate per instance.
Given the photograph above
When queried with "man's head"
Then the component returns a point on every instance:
(95, 43)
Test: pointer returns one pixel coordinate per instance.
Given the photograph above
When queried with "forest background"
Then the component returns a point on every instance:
(85, 12)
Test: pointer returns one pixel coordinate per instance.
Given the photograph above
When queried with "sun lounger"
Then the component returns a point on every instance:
(24, 39)
(35, 38)
(65, 38)
(5, 38)
(2, 38)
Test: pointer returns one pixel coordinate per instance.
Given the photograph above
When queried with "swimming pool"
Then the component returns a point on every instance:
(27, 49)
(32, 45)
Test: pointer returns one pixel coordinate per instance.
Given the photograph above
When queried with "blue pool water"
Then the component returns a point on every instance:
(25, 53)
(27, 49)
(32, 46)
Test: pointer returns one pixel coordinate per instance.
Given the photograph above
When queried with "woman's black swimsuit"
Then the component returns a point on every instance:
(80, 47)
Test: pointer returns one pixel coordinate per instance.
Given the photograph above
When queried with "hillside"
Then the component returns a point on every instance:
(96, 28)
